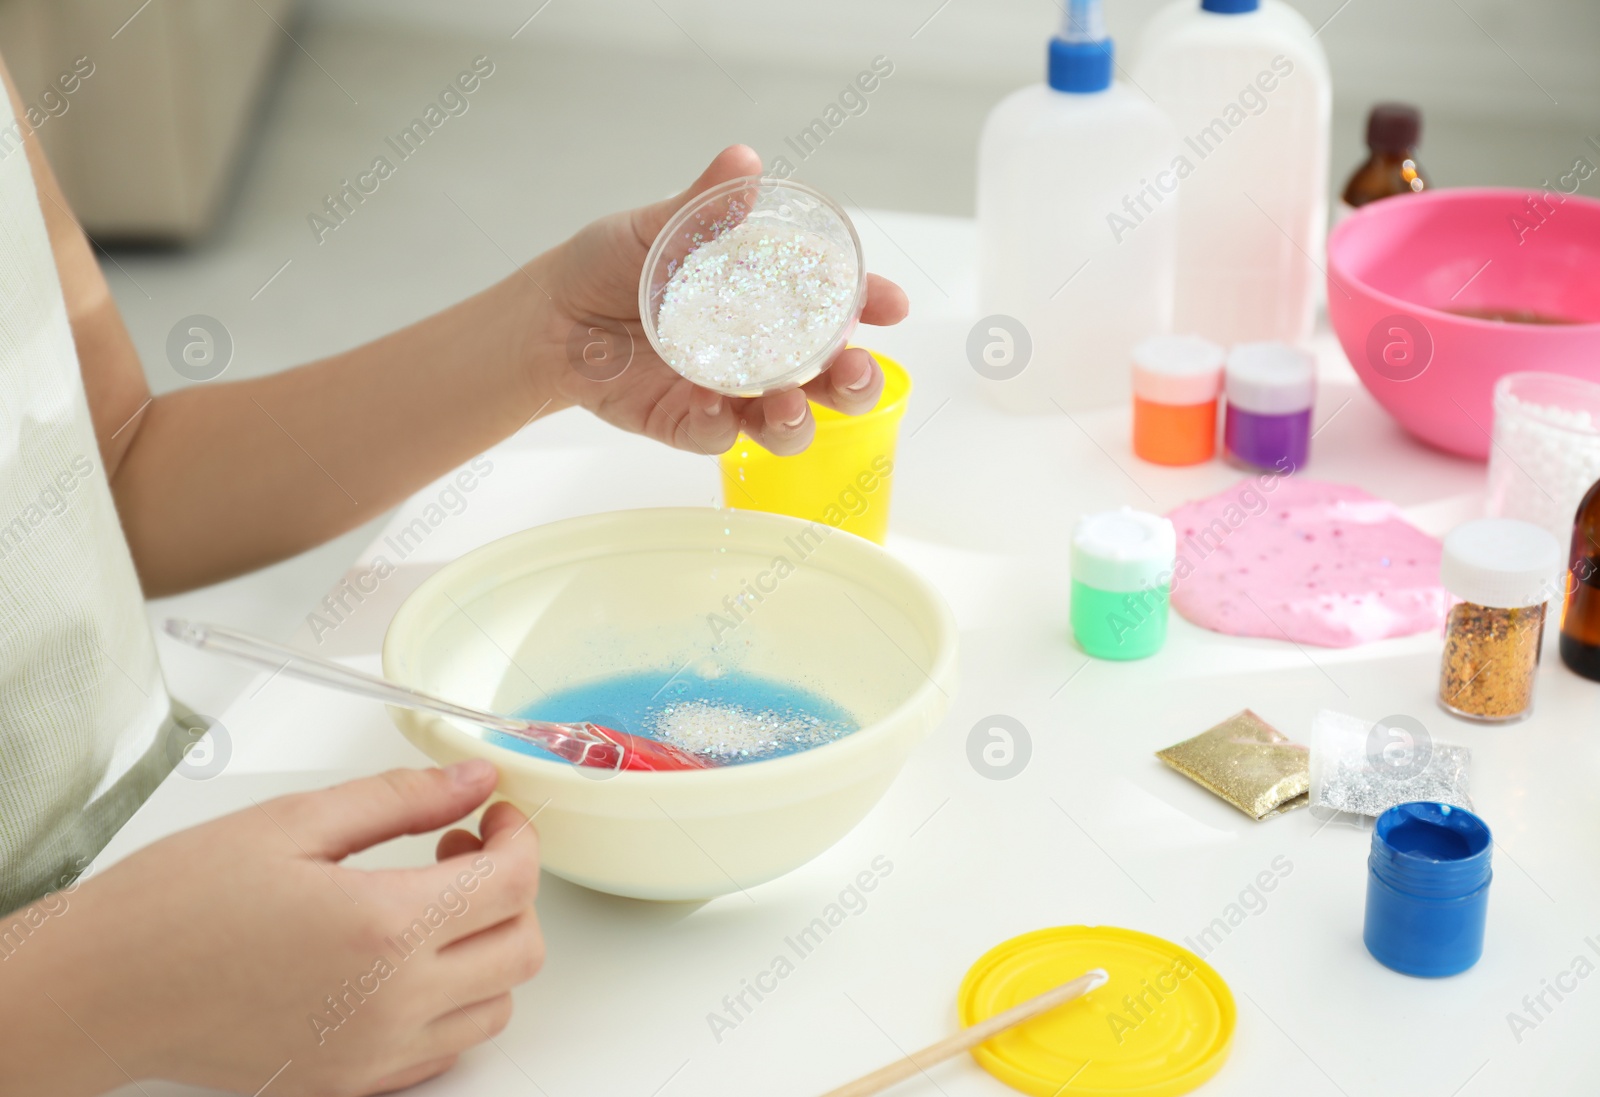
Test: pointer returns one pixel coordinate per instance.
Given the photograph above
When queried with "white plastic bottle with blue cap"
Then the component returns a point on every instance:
(1061, 170)
(1246, 83)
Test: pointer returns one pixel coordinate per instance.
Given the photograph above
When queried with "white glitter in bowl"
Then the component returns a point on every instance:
(733, 733)
(751, 306)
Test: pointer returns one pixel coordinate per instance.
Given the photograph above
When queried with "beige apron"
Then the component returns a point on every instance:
(85, 723)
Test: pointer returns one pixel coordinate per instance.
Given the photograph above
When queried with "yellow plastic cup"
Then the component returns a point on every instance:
(844, 478)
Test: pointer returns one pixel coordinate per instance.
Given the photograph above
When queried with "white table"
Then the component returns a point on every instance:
(1094, 830)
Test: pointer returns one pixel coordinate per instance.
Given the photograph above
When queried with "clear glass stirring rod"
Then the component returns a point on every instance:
(312, 668)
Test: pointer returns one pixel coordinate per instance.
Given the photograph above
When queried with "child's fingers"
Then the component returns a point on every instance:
(412, 1075)
(478, 882)
(710, 425)
(453, 843)
(464, 1025)
(503, 876)
(335, 822)
(511, 845)
(780, 423)
(501, 817)
(493, 961)
(731, 163)
(886, 302)
(852, 384)
(475, 890)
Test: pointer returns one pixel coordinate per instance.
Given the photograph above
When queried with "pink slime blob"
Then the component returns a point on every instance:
(1313, 562)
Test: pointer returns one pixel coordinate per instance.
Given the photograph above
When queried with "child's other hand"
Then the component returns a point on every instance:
(595, 275)
(228, 950)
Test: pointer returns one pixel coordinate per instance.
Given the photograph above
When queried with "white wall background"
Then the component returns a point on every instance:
(1484, 58)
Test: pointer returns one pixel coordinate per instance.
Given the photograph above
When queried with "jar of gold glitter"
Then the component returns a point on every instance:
(1500, 573)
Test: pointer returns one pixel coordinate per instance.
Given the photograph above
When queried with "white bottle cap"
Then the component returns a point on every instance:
(1271, 378)
(1177, 369)
(1123, 550)
(1501, 562)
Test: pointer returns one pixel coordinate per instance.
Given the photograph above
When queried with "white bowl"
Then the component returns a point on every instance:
(589, 598)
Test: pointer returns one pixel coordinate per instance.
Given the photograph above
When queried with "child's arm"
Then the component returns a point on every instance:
(217, 479)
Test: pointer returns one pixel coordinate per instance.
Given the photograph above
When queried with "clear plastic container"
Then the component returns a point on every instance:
(1500, 573)
(1546, 451)
(780, 335)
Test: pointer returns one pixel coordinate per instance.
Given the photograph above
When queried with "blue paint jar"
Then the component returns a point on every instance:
(1427, 889)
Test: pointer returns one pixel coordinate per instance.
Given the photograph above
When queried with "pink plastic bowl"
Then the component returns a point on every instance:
(1401, 270)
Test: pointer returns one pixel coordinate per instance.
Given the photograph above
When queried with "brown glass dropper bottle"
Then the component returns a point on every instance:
(1580, 620)
(1393, 130)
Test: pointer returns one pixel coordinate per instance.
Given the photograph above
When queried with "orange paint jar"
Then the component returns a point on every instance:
(1176, 382)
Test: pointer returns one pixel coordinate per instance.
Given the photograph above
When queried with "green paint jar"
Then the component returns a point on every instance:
(1122, 564)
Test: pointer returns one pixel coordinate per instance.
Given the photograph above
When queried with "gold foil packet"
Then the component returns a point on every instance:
(1248, 763)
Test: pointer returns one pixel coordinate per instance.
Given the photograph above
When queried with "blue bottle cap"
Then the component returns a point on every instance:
(1229, 7)
(1081, 55)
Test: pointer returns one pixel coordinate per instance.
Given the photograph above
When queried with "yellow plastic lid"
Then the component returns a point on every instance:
(1161, 1026)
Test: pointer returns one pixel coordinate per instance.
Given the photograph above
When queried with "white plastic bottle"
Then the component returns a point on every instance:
(1060, 165)
(1248, 88)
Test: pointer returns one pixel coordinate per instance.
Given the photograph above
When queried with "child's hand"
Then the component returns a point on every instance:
(596, 275)
(222, 953)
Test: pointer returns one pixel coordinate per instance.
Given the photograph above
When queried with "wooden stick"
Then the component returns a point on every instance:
(971, 1037)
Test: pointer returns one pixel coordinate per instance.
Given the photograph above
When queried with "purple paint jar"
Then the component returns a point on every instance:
(1270, 389)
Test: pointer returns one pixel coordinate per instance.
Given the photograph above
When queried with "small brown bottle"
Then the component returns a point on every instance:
(1580, 620)
(1393, 130)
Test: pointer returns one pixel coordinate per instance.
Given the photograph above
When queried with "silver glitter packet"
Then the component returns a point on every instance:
(1366, 767)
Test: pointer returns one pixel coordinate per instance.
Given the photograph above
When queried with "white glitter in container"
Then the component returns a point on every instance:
(1546, 450)
(751, 306)
(733, 733)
